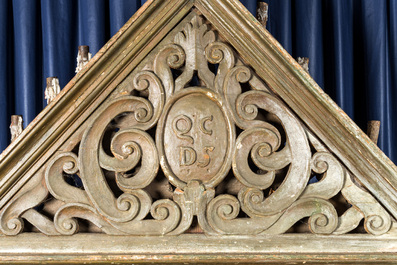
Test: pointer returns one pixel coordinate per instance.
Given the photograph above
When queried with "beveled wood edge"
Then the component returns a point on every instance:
(85, 87)
(301, 93)
(193, 248)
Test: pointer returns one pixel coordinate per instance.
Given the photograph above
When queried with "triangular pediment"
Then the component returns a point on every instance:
(193, 124)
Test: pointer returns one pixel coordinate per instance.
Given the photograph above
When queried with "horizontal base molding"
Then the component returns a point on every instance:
(194, 248)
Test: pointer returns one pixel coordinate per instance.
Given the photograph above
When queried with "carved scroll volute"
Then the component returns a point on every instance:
(222, 215)
(11, 222)
(261, 143)
(129, 141)
(171, 56)
(196, 147)
(220, 53)
(332, 180)
(296, 153)
(66, 223)
(56, 184)
(232, 89)
(147, 80)
(323, 218)
(376, 220)
(195, 138)
(125, 207)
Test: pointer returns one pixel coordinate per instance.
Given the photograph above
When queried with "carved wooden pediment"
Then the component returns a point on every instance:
(192, 136)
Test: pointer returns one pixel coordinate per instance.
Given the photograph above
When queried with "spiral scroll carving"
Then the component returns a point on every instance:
(65, 163)
(11, 221)
(193, 133)
(172, 56)
(220, 53)
(130, 141)
(67, 224)
(123, 208)
(296, 154)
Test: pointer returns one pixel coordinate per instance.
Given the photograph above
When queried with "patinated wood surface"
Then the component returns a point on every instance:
(53, 126)
(317, 110)
(196, 128)
(199, 249)
(174, 129)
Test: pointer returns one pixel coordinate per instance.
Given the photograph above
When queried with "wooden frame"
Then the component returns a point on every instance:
(199, 249)
(85, 93)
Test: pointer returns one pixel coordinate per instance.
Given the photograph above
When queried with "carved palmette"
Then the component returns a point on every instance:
(194, 132)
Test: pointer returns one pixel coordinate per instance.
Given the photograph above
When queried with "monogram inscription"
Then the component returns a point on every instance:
(195, 137)
(182, 125)
(196, 146)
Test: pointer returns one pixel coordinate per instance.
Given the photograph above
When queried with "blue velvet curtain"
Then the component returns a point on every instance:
(351, 45)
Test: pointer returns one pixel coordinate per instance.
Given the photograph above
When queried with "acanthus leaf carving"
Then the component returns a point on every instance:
(194, 38)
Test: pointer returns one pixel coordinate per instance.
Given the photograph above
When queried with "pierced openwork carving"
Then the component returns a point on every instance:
(193, 132)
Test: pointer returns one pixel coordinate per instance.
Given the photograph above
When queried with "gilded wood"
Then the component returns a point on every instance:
(53, 126)
(195, 146)
(302, 94)
(174, 128)
(199, 249)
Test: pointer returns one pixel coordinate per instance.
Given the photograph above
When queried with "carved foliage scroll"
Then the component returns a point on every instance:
(196, 117)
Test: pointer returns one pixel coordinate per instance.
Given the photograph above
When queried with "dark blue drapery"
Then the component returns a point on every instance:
(351, 45)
